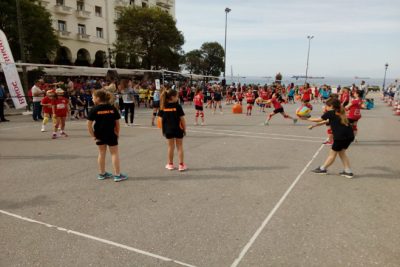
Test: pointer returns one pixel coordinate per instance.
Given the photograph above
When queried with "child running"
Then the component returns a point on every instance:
(105, 132)
(173, 127)
(343, 136)
(198, 101)
(48, 108)
(276, 101)
(60, 112)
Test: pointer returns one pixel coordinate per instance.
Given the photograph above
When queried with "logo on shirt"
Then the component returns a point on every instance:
(103, 112)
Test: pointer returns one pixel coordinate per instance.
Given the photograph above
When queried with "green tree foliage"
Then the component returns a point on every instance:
(39, 36)
(208, 60)
(150, 34)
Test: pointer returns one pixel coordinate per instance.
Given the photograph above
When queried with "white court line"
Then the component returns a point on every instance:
(273, 134)
(273, 211)
(101, 240)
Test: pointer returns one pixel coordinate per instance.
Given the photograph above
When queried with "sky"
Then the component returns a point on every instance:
(351, 37)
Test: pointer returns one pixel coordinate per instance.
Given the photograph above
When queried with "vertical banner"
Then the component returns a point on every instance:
(11, 73)
(158, 86)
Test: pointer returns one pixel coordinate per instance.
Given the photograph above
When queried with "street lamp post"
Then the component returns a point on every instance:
(227, 10)
(384, 78)
(309, 37)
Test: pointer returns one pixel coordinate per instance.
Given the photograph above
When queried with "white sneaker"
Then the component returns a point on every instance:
(126, 124)
(195, 124)
(43, 129)
(203, 123)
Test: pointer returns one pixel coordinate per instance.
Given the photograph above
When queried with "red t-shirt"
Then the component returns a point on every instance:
(250, 98)
(355, 109)
(307, 94)
(198, 100)
(276, 103)
(61, 106)
(316, 92)
(264, 95)
(344, 98)
(45, 101)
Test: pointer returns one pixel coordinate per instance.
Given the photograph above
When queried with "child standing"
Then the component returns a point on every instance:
(173, 126)
(250, 101)
(60, 112)
(343, 136)
(354, 109)
(276, 101)
(198, 101)
(105, 132)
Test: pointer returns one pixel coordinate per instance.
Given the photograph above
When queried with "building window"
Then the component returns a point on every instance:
(60, 2)
(81, 29)
(80, 5)
(99, 33)
(62, 26)
(98, 11)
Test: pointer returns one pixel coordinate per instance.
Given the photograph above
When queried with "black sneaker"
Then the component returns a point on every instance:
(319, 171)
(346, 174)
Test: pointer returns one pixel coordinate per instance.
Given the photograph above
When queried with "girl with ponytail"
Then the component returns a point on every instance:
(343, 136)
(173, 126)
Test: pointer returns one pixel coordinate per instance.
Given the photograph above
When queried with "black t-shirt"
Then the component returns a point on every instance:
(340, 131)
(171, 118)
(104, 117)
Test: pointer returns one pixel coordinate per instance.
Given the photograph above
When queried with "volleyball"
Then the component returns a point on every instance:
(303, 111)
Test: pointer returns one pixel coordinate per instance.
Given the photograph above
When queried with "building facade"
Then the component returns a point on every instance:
(86, 28)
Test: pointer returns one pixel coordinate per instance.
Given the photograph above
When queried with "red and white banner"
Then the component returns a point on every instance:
(11, 73)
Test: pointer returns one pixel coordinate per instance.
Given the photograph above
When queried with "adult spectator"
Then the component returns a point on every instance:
(364, 89)
(37, 95)
(2, 100)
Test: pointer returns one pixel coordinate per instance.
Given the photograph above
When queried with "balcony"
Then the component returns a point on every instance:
(121, 3)
(63, 34)
(164, 3)
(83, 14)
(83, 37)
(65, 10)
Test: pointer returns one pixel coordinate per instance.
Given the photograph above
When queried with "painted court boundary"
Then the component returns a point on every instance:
(98, 239)
(273, 211)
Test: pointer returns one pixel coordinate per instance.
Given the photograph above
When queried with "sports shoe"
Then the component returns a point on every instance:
(64, 134)
(43, 129)
(54, 136)
(182, 167)
(203, 123)
(328, 143)
(346, 174)
(319, 171)
(295, 120)
(266, 123)
(120, 177)
(170, 167)
(106, 175)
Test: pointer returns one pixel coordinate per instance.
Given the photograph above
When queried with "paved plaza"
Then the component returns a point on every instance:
(248, 198)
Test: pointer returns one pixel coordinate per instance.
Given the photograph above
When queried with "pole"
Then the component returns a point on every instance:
(384, 78)
(308, 55)
(22, 49)
(227, 10)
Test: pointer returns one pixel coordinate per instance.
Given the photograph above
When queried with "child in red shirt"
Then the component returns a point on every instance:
(60, 112)
(250, 101)
(354, 110)
(47, 104)
(276, 101)
(198, 101)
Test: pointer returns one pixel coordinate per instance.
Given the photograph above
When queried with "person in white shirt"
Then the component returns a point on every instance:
(364, 89)
(37, 96)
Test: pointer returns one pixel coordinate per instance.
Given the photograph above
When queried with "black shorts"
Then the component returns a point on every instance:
(278, 110)
(156, 104)
(217, 99)
(109, 141)
(199, 108)
(352, 121)
(339, 145)
(177, 135)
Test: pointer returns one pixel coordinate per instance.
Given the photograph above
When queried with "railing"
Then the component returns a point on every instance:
(63, 9)
(83, 14)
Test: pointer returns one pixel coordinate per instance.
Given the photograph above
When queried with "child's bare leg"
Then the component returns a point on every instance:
(171, 148)
(63, 123)
(329, 161)
(115, 159)
(179, 147)
(101, 160)
(345, 160)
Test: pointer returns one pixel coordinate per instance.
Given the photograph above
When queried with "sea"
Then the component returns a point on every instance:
(332, 81)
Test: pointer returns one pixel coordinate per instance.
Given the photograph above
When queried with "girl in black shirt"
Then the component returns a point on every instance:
(173, 126)
(343, 136)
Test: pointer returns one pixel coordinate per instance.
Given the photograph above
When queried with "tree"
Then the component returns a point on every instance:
(213, 58)
(39, 36)
(151, 34)
(193, 61)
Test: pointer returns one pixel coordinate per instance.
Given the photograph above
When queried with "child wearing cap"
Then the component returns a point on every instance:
(60, 112)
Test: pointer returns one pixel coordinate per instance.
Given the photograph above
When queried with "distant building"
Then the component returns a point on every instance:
(86, 28)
